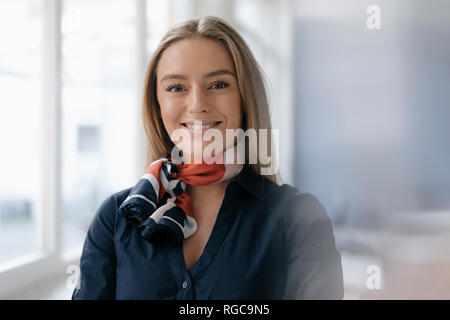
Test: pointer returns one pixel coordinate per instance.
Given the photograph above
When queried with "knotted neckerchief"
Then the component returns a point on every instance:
(159, 206)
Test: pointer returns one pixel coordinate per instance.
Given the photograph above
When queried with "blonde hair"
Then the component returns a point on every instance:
(250, 80)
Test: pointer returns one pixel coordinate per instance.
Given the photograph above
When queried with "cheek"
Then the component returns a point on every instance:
(234, 114)
(169, 115)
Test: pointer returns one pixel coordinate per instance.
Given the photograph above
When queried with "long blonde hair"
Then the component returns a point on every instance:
(250, 79)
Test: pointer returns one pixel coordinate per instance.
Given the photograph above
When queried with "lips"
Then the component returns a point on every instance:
(201, 124)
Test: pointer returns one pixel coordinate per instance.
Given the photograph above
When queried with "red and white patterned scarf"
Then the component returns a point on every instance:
(159, 206)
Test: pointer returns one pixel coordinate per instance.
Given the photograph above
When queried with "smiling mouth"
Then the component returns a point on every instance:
(200, 125)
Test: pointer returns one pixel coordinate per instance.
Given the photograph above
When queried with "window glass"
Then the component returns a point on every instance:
(98, 109)
(20, 101)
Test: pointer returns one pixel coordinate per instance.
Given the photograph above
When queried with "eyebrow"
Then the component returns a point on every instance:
(207, 75)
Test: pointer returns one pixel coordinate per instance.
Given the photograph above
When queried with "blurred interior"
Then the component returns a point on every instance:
(363, 117)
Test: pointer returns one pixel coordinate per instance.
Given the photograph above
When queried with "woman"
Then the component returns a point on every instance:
(207, 231)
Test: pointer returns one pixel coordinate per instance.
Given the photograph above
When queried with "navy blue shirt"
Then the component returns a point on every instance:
(268, 242)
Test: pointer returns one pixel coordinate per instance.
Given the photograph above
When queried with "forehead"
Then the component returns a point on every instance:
(197, 55)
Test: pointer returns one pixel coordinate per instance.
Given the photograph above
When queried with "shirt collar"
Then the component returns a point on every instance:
(251, 182)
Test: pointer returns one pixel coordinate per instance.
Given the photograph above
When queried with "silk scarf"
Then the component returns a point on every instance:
(158, 205)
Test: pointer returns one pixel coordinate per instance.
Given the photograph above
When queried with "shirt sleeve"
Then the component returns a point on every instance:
(314, 263)
(98, 260)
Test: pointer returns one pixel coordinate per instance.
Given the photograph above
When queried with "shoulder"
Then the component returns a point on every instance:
(287, 196)
(296, 209)
(114, 200)
(314, 263)
(106, 212)
(121, 195)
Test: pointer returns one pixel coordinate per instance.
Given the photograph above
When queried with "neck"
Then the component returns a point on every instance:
(206, 200)
(211, 192)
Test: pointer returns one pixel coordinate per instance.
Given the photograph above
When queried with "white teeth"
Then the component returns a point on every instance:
(199, 127)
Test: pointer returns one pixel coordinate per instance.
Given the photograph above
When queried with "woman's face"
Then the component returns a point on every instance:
(196, 84)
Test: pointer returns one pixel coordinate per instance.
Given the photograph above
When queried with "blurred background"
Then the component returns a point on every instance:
(363, 115)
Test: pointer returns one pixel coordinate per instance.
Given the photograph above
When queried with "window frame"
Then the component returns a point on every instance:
(20, 271)
(48, 260)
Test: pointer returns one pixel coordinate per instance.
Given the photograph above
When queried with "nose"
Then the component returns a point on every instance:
(198, 103)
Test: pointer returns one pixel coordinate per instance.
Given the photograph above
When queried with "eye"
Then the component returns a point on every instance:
(220, 83)
(178, 87)
(172, 86)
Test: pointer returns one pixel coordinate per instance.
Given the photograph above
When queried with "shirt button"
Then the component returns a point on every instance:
(185, 284)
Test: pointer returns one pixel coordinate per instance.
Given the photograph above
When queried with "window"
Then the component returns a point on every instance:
(20, 103)
(88, 139)
(98, 109)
